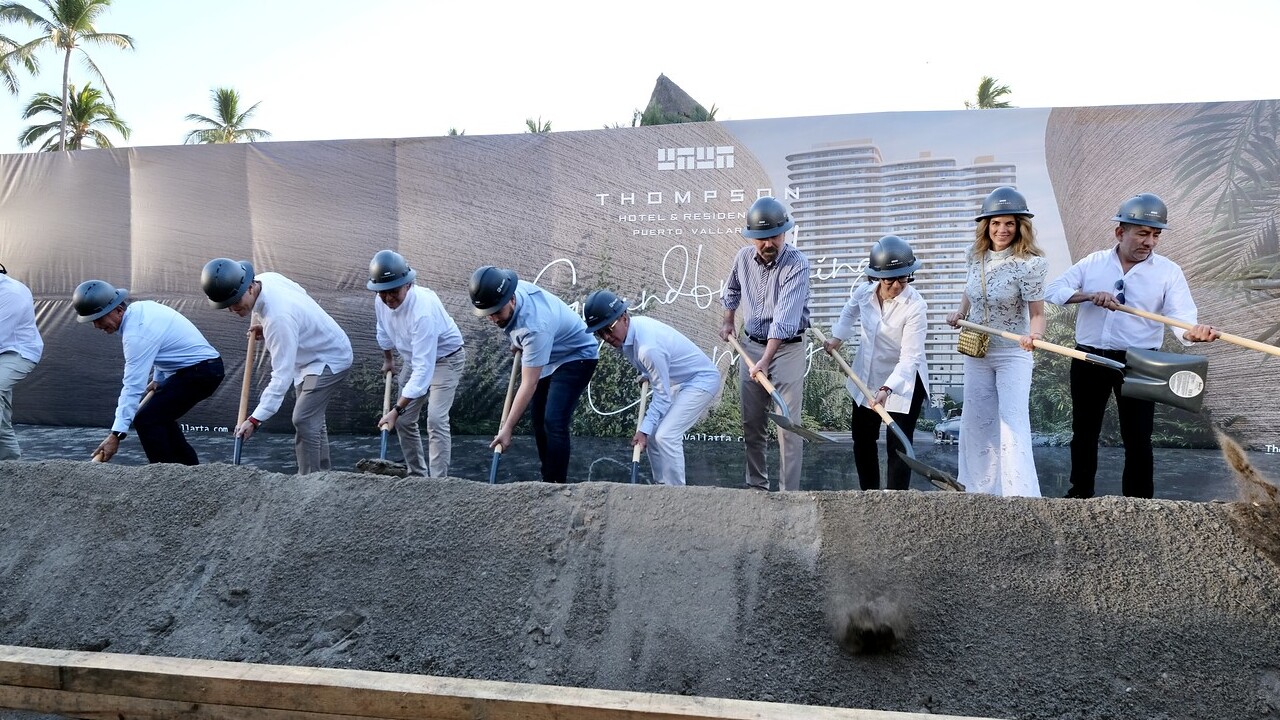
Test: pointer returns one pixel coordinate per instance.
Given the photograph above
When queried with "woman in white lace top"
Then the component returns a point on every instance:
(1004, 290)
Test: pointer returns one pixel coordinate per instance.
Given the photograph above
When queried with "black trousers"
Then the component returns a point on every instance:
(866, 425)
(1091, 386)
(156, 422)
(551, 412)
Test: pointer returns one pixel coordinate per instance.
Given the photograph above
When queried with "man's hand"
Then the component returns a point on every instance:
(1202, 333)
(1104, 299)
(832, 344)
(255, 330)
(726, 330)
(640, 440)
(244, 430)
(761, 367)
(107, 448)
(388, 421)
(502, 440)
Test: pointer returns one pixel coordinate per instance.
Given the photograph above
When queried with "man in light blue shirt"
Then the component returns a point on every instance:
(558, 359)
(163, 354)
(684, 380)
(20, 350)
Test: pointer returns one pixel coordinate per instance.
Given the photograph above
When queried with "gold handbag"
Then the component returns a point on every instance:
(971, 342)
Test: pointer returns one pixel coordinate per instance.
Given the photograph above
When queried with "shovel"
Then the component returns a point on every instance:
(1169, 378)
(244, 395)
(940, 479)
(506, 409)
(386, 408)
(1233, 339)
(96, 457)
(783, 417)
(635, 451)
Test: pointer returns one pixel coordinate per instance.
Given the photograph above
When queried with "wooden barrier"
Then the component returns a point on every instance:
(104, 686)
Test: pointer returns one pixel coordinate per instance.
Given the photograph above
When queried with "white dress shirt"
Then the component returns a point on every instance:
(18, 320)
(890, 343)
(1156, 285)
(158, 341)
(301, 337)
(670, 362)
(422, 331)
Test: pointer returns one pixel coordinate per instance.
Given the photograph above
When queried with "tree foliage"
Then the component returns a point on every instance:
(228, 124)
(990, 95)
(89, 114)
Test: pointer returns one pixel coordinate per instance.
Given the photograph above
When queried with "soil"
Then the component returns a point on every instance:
(913, 601)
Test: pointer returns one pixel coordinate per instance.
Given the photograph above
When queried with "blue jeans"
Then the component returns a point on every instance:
(551, 411)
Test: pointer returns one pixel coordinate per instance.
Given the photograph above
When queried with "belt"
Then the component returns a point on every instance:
(1109, 354)
(455, 352)
(765, 341)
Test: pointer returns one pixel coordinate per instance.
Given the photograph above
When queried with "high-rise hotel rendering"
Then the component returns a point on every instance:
(844, 197)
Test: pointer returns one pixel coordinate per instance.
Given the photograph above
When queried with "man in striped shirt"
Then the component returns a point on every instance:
(770, 281)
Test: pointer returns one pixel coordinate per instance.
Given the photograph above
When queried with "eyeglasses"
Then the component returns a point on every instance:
(898, 280)
(1120, 291)
(606, 331)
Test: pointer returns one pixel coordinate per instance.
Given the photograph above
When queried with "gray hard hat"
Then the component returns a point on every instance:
(388, 270)
(767, 218)
(601, 308)
(1145, 209)
(225, 281)
(491, 287)
(95, 298)
(891, 257)
(1004, 200)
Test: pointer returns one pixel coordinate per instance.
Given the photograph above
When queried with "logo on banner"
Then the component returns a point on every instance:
(696, 158)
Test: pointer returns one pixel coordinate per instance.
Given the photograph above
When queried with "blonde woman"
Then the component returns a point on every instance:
(1004, 290)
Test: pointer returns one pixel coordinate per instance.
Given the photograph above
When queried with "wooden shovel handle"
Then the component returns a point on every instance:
(1041, 344)
(758, 377)
(386, 399)
(862, 387)
(644, 401)
(248, 379)
(1233, 339)
(511, 394)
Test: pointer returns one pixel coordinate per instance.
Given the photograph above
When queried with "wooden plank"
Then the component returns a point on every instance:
(185, 683)
(116, 707)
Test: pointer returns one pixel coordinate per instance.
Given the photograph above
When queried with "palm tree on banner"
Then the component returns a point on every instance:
(990, 92)
(537, 126)
(66, 25)
(228, 123)
(87, 115)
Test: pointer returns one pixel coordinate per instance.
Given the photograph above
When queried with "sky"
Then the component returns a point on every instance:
(324, 69)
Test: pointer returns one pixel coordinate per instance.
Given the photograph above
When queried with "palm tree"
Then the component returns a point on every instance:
(537, 126)
(87, 113)
(66, 25)
(455, 132)
(989, 94)
(228, 123)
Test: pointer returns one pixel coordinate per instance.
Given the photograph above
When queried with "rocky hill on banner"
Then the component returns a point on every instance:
(653, 213)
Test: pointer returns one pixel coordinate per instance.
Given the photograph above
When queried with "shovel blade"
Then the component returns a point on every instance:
(940, 480)
(1169, 378)
(785, 423)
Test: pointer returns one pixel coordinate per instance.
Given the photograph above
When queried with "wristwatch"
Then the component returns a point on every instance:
(119, 435)
(887, 389)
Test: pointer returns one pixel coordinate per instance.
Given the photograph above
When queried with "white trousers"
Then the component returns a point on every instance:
(995, 426)
(665, 446)
(439, 400)
(13, 367)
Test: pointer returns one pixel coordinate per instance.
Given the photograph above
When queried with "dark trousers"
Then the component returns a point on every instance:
(866, 431)
(156, 422)
(1091, 386)
(551, 411)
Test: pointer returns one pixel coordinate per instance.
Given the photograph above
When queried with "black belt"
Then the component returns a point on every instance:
(1117, 355)
(765, 341)
(455, 352)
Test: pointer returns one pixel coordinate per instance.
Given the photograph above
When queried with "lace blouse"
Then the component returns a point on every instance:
(1012, 283)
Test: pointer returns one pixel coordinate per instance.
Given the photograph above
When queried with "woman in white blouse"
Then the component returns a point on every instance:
(890, 356)
(1004, 290)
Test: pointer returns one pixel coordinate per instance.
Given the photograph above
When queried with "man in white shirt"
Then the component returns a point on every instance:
(1129, 274)
(20, 351)
(163, 353)
(683, 379)
(308, 350)
(413, 322)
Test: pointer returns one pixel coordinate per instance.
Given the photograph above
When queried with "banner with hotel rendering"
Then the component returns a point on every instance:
(653, 213)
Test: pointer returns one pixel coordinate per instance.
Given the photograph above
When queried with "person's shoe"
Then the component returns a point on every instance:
(755, 487)
(1077, 494)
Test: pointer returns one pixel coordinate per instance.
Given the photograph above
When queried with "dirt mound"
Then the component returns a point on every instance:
(1006, 607)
